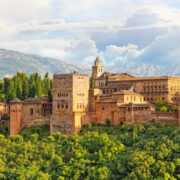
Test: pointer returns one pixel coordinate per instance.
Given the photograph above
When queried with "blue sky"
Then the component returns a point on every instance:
(119, 31)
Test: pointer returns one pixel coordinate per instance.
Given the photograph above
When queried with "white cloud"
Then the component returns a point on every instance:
(117, 30)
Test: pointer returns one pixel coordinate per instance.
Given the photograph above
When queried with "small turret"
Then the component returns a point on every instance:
(97, 69)
(97, 62)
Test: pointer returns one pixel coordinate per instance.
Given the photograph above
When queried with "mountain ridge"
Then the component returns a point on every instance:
(13, 61)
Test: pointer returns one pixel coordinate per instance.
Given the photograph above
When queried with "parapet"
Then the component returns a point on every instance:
(68, 76)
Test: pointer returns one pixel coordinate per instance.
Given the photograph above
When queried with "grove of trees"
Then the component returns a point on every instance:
(141, 152)
(21, 86)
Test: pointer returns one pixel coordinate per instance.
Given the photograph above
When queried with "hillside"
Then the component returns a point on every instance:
(13, 61)
(145, 152)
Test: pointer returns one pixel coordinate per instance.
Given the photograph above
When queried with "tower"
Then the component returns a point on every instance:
(70, 94)
(15, 116)
(97, 69)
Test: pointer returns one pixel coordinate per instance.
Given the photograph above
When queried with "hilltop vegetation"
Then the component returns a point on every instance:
(97, 152)
(21, 86)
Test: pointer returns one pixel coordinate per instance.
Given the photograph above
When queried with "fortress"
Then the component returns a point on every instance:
(118, 98)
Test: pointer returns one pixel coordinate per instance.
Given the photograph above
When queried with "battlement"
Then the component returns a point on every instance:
(68, 76)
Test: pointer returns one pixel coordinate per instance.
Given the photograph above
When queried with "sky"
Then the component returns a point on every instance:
(119, 31)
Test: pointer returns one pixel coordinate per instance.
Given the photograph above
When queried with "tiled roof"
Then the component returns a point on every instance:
(126, 92)
(16, 100)
(35, 100)
(107, 100)
(137, 105)
(116, 86)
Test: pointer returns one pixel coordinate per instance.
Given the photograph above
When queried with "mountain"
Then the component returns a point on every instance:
(141, 70)
(12, 61)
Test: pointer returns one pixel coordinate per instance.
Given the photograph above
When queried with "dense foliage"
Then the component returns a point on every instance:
(97, 152)
(22, 86)
(162, 106)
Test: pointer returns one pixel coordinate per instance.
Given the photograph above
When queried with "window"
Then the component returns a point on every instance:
(31, 111)
(66, 106)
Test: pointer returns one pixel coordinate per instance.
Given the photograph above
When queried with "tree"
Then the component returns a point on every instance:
(38, 88)
(158, 102)
(18, 88)
(135, 132)
(163, 108)
(92, 85)
(46, 84)
(25, 89)
(6, 84)
(107, 78)
(11, 91)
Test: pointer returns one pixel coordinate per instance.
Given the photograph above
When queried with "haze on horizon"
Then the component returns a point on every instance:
(131, 31)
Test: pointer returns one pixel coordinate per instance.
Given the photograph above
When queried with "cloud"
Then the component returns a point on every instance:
(119, 31)
(164, 49)
(123, 53)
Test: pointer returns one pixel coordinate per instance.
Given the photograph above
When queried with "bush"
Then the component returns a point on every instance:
(108, 122)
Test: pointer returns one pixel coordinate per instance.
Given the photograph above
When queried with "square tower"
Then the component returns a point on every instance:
(70, 94)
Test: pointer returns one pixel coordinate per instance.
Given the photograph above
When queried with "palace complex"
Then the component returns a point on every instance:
(118, 98)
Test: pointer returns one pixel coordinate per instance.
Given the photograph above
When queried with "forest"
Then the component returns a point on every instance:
(146, 151)
(21, 86)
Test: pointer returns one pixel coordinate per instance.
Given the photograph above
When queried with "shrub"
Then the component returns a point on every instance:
(108, 122)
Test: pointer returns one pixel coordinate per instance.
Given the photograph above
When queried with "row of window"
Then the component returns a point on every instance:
(99, 70)
(110, 91)
(63, 94)
(62, 106)
(15, 110)
(152, 99)
(80, 94)
(134, 99)
(80, 106)
(154, 89)
(154, 83)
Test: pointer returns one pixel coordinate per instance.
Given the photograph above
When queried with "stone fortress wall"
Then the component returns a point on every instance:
(120, 98)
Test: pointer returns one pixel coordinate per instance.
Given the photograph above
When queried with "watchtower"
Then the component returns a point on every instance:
(15, 116)
(70, 94)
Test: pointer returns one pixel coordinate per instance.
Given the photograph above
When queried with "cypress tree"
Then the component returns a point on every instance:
(92, 85)
(46, 84)
(135, 132)
(38, 88)
(11, 91)
(18, 89)
(107, 78)
(25, 89)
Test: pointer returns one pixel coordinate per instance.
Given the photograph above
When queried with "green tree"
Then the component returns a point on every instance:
(11, 92)
(25, 89)
(92, 84)
(46, 84)
(107, 78)
(163, 108)
(135, 132)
